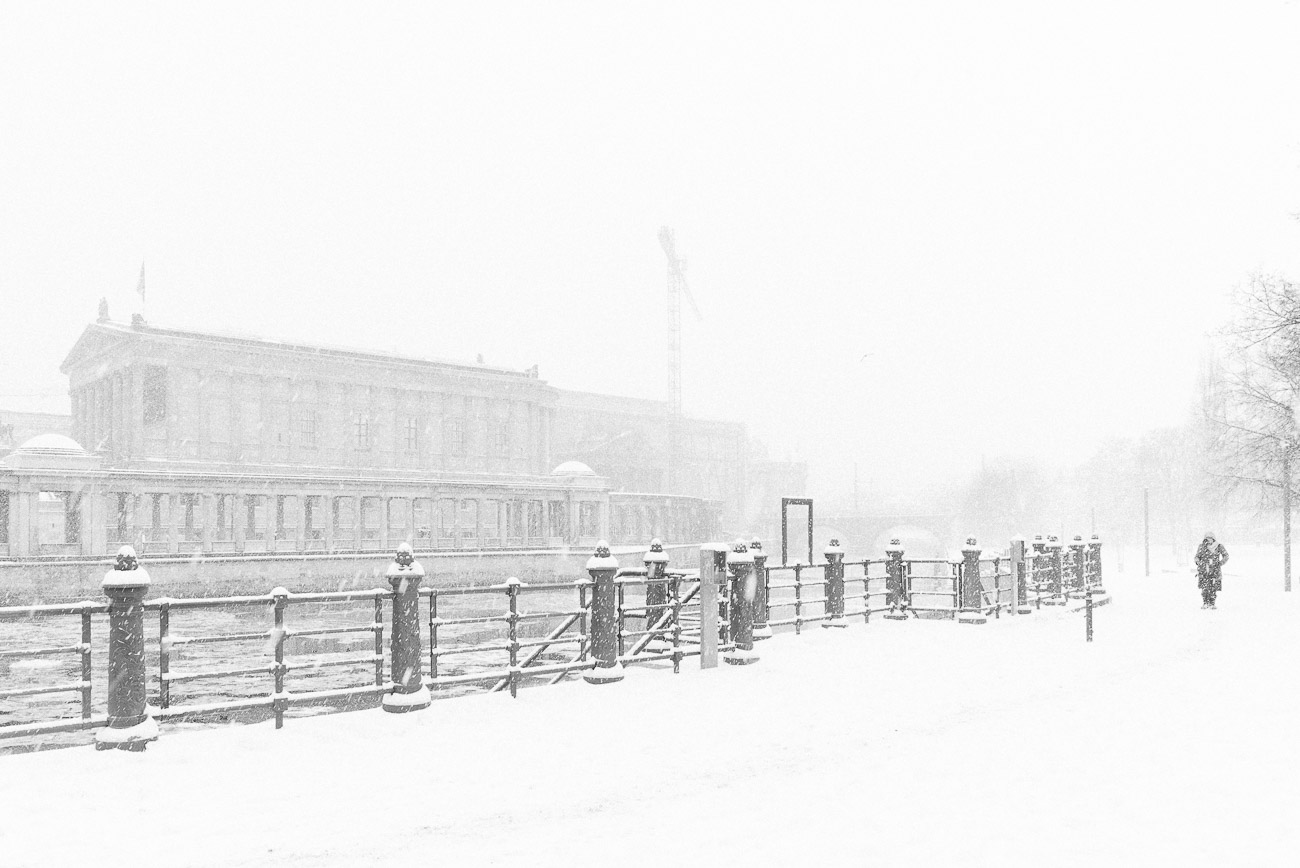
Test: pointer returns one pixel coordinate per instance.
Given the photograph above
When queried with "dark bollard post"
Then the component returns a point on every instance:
(740, 563)
(1094, 548)
(1087, 596)
(129, 725)
(972, 598)
(409, 692)
(1039, 569)
(656, 591)
(604, 618)
(761, 613)
(1055, 569)
(1079, 555)
(895, 582)
(834, 585)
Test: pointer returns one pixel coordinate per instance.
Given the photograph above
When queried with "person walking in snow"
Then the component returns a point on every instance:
(1210, 558)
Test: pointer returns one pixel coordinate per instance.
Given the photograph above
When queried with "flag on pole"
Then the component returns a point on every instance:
(139, 287)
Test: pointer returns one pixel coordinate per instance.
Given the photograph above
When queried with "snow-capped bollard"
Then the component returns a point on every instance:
(1094, 551)
(1055, 558)
(409, 692)
(761, 613)
(129, 725)
(834, 585)
(740, 564)
(970, 586)
(656, 589)
(895, 582)
(1079, 559)
(604, 618)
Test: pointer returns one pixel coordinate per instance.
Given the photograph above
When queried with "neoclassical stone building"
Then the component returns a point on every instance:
(185, 441)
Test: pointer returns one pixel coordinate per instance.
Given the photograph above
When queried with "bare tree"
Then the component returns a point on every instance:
(1249, 397)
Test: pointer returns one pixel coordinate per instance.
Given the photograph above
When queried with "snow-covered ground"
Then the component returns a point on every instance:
(1170, 740)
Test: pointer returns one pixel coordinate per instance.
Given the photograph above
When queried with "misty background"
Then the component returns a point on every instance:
(980, 252)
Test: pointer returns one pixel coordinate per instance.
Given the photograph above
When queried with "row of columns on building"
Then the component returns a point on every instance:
(740, 569)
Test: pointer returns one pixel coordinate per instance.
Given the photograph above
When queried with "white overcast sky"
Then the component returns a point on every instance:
(1024, 216)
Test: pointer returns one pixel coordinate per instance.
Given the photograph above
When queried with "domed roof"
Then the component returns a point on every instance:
(51, 452)
(52, 444)
(573, 468)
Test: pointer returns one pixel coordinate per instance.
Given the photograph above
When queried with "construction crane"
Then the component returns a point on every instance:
(676, 289)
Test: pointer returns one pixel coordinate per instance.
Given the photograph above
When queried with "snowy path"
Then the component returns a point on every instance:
(1169, 740)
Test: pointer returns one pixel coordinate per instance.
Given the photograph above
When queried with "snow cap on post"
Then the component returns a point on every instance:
(971, 545)
(833, 548)
(656, 554)
(404, 563)
(126, 572)
(1053, 542)
(756, 545)
(1096, 539)
(602, 560)
(739, 554)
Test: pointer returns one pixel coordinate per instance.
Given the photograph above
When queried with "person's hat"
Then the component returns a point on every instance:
(1209, 534)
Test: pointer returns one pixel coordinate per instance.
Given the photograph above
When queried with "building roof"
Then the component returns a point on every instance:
(102, 335)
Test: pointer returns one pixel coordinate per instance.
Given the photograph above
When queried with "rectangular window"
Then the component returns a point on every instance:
(422, 519)
(446, 519)
(588, 519)
(345, 521)
(456, 436)
(503, 439)
(467, 519)
(535, 519)
(157, 517)
(361, 432)
(412, 434)
(286, 517)
(370, 519)
(155, 395)
(255, 516)
(490, 520)
(559, 518)
(192, 516)
(225, 529)
(305, 423)
(311, 516)
(58, 518)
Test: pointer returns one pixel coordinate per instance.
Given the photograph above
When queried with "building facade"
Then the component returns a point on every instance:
(188, 442)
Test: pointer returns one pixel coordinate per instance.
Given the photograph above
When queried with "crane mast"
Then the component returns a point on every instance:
(676, 287)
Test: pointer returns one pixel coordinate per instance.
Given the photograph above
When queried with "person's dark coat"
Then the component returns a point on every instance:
(1210, 558)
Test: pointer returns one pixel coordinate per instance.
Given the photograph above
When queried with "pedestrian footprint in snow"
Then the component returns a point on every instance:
(1210, 558)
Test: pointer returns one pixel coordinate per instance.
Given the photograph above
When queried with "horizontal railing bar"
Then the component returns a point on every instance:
(331, 631)
(53, 688)
(207, 602)
(452, 622)
(368, 660)
(339, 596)
(533, 616)
(19, 730)
(11, 612)
(560, 640)
(79, 648)
(227, 637)
(470, 649)
(175, 711)
(556, 668)
(173, 677)
(471, 678)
